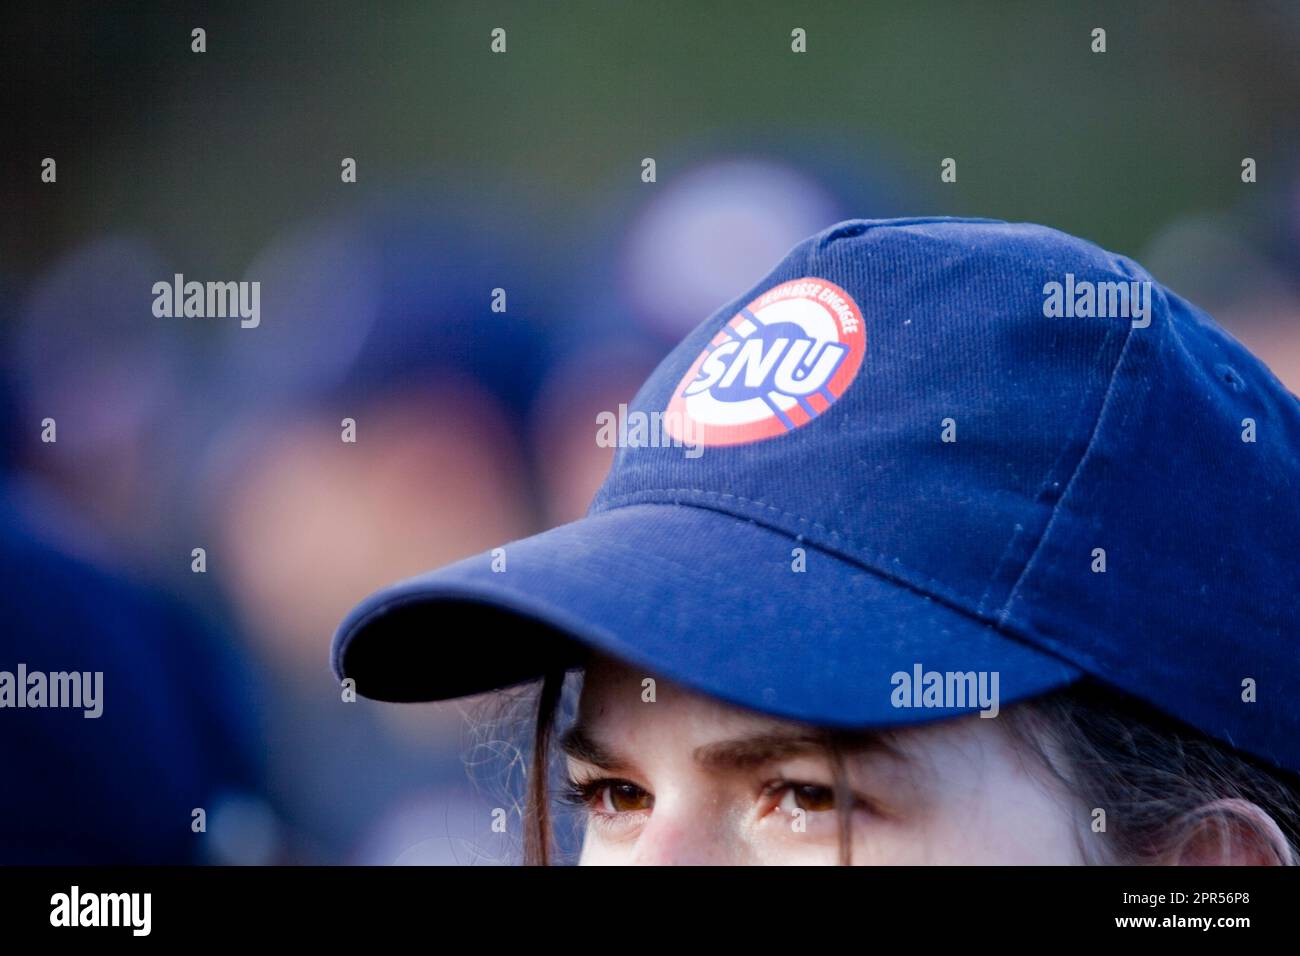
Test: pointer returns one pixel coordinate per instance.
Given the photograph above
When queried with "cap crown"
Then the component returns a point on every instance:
(994, 435)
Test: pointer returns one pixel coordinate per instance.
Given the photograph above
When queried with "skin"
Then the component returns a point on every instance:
(690, 780)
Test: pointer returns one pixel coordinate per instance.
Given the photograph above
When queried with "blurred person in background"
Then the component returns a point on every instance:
(417, 319)
(171, 769)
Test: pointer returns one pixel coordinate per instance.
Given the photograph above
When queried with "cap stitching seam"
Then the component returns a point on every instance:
(925, 586)
(1004, 613)
(1042, 485)
(865, 556)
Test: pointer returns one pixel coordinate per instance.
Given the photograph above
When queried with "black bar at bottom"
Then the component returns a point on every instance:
(490, 906)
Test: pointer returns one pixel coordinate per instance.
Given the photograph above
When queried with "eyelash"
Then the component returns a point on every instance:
(586, 794)
(783, 785)
(586, 791)
(582, 793)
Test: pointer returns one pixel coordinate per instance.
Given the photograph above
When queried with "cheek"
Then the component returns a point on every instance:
(798, 850)
(598, 852)
(1008, 825)
(1043, 833)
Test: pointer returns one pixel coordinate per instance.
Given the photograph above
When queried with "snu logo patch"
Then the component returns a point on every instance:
(776, 365)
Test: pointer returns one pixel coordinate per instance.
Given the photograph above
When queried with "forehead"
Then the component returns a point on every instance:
(615, 706)
(617, 695)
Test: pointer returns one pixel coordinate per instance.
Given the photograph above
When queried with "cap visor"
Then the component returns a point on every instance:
(692, 595)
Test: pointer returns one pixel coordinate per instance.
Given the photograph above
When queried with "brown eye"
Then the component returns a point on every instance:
(808, 797)
(812, 798)
(625, 797)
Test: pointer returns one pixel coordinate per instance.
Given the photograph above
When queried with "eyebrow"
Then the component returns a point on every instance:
(738, 753)
(578, 743)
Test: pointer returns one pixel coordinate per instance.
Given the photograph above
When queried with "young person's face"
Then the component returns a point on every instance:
(687, 779)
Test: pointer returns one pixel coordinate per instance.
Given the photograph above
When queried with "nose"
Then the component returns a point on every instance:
(686, 837)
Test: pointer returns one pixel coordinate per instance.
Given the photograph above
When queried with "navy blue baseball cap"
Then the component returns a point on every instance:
(934, 444)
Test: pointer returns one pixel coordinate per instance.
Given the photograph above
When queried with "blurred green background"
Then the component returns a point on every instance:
(216, 152)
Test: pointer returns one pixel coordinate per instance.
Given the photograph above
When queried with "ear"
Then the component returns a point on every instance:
(1231, 832)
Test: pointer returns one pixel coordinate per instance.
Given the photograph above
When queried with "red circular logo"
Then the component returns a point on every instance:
(779, 363)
